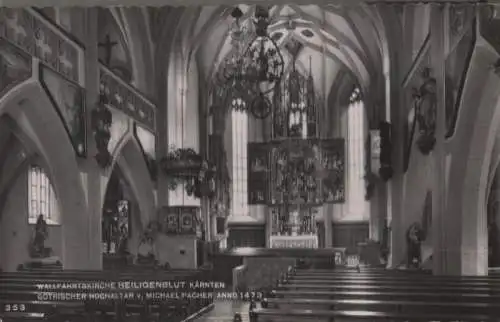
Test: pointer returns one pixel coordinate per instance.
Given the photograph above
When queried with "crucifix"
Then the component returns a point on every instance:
(107, 45)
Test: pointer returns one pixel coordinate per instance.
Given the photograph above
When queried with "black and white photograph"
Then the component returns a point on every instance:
(257, 161)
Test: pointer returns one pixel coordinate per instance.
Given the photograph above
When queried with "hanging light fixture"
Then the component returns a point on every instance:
(252, 74)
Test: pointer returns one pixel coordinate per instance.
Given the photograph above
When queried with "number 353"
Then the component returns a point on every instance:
(14, 308)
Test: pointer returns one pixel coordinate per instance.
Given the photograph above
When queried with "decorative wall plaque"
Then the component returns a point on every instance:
(38, 37)
(15, 66)
(127, 99)
(179, 220)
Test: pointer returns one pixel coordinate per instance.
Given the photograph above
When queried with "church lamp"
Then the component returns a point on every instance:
(253, 73)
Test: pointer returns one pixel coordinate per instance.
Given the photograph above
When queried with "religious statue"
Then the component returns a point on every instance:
(413, 242)
(110, 231)
(101, 126)
(258, 165)
(146, 253)
(237, 318)
(123, 240)
(425, 102)
(41, 233)
(295, 222)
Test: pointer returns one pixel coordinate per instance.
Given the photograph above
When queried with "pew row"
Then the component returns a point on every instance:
(275, 315)
(22, 299)
(328, 295)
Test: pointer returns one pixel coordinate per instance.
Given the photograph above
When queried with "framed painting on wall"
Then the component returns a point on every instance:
(258, 173)
(15, 67)
(169, 220)
(188, 220)
(179, 220)
(333, 162)
(68, 99)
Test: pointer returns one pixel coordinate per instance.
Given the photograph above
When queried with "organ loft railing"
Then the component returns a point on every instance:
(297, 171)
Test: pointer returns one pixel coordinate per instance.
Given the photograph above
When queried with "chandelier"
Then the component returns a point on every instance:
(251, 75)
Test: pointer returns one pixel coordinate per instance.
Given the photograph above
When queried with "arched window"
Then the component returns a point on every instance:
(41, 197)
(239, 123)
(356, 136)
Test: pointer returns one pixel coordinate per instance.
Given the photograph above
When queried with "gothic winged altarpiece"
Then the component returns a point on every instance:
(296, 171)
(300, 171)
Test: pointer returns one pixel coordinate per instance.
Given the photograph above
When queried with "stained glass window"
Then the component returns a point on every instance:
(41, 197)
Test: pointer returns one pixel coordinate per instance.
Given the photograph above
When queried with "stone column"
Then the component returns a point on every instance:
(94, 179)
(161, 129)
(327, 209)
(256, 134)
(375, 220)
(440, 224)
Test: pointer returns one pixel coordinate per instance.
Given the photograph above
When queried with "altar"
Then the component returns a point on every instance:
(299, 241)
(298, 169)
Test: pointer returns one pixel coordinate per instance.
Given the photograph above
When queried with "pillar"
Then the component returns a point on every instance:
(161, 143)
(442, 227)
(183, 118)
(94, 179)
(256, 134)
(327, 209)
(375, 221)
(395, 65)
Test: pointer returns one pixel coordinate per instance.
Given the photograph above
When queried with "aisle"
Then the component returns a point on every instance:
(224, 311)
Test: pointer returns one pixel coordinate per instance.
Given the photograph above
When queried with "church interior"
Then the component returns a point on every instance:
(305, 162)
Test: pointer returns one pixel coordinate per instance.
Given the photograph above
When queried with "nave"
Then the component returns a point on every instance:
(302, 292)
(272, 149)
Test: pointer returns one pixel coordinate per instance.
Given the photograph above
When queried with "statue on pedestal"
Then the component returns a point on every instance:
(37, 245)
(413, 241)
(294, 222)
(146, 253)
(40, 255)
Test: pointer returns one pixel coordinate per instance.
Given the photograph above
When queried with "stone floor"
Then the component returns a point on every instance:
(224, 311)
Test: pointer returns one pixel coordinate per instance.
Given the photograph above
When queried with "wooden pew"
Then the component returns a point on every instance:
(388, 281)
(385, 275)
(21, 288)
(275, 315)
(381, 296)
(410, 287)
(416, 304)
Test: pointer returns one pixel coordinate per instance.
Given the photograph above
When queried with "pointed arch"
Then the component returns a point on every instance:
(470, 160)
(129, 158)
(134, 26)
(42, 130)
